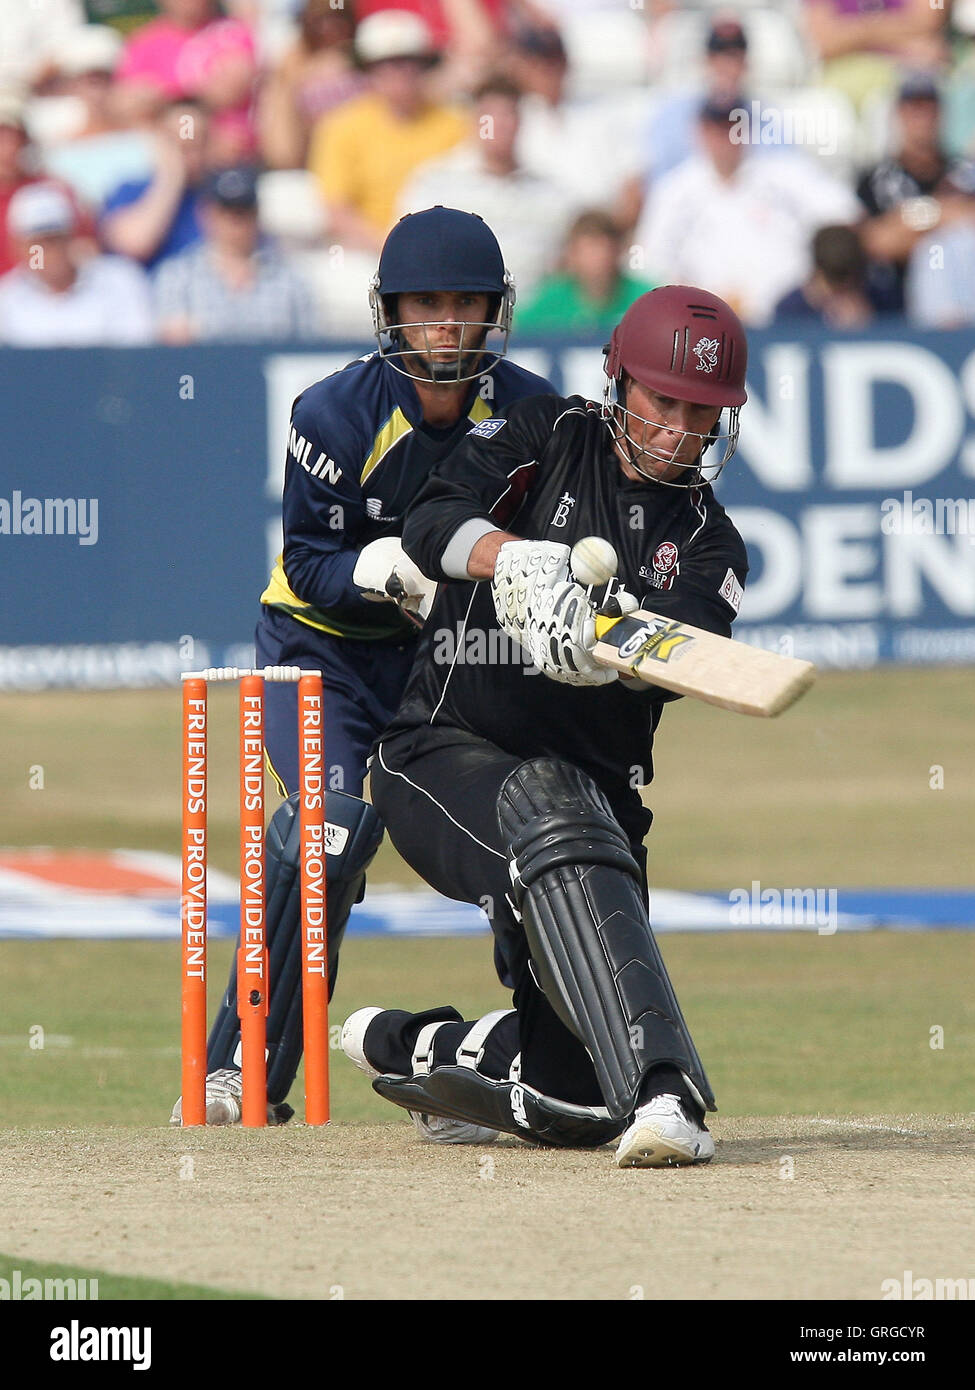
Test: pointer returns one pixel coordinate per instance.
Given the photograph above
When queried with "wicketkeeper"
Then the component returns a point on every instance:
(510, 778)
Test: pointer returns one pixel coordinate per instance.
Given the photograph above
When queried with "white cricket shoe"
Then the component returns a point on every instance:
(224, 1097)
(439, 1129)
(662, 1135)
(353, 1035)
(443, 1130)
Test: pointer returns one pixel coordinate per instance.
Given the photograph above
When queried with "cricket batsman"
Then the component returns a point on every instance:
(510, 780)
(362, 443)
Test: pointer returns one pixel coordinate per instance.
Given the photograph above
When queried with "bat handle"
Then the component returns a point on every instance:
(610, 608)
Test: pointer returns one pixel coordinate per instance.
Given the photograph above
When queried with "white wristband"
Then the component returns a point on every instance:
(454, 560)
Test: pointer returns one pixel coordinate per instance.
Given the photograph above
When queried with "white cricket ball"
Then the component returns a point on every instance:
(593, 561)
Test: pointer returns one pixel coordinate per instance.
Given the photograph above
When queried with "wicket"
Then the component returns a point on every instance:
(252, 954)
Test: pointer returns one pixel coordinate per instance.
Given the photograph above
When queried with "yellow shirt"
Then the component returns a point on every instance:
(362, 154)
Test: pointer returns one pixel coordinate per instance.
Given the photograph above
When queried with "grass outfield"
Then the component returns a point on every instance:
(786, 1024)
(103, 1285)
(835, 792)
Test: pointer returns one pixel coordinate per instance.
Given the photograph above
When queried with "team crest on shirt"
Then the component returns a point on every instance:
(665, 566)
(706, 352)
(563, 510)
(487, 428)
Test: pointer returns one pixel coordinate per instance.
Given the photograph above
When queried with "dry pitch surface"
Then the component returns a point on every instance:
(870, 1180)
(371, 1212)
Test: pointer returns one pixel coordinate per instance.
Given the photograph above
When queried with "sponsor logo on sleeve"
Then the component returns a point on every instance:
(731, 591)
(487, 428)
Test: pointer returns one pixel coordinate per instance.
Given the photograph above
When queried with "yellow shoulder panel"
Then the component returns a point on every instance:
(394, 429)
(479, 411)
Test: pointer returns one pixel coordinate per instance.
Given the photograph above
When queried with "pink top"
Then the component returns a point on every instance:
(180, 61)
(863, 7)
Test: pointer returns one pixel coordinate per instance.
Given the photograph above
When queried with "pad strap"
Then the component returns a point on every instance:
(471, 1049)
(422, 1060)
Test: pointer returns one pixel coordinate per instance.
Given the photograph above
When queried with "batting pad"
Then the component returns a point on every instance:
(580, 894)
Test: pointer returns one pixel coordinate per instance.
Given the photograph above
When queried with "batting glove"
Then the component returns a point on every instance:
(523, 572)
(560, 634)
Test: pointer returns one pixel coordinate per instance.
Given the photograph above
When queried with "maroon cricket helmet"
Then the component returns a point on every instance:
(682, 342)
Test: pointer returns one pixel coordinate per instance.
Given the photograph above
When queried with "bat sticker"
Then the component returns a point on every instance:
(657, 642)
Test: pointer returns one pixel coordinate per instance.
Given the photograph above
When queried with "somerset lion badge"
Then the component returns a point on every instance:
(706, 352)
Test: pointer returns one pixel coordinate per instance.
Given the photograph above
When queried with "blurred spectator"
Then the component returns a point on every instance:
(94, 155)
(27, 28)
(14, 173)
(836, 294)
(940, 280)
(192, 51)
(233, 285)
(914, 190)
(463, 27)
(314, 76)
(53, 297)
(670, 136)
(737, 222)
(588, 146)
(152, 218)
(17, 169)
(363, 153)
(593, 292)
(529, 215)
(863, 43)
(609, 43)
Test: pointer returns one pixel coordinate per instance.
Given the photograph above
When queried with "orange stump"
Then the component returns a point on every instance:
(252, 959)
(193, 903)
(252, 954)
(314, 941)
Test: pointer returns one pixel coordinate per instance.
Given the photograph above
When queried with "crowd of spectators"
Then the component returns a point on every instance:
(193, 171)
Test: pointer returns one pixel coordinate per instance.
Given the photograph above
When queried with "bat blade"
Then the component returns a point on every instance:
(689, 661)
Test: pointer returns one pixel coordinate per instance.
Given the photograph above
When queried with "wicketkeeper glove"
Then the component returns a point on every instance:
(385, 573)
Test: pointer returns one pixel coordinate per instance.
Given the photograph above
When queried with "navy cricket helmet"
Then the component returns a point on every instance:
(434, 251)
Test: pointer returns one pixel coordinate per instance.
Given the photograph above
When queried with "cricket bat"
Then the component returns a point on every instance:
(665, 652)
